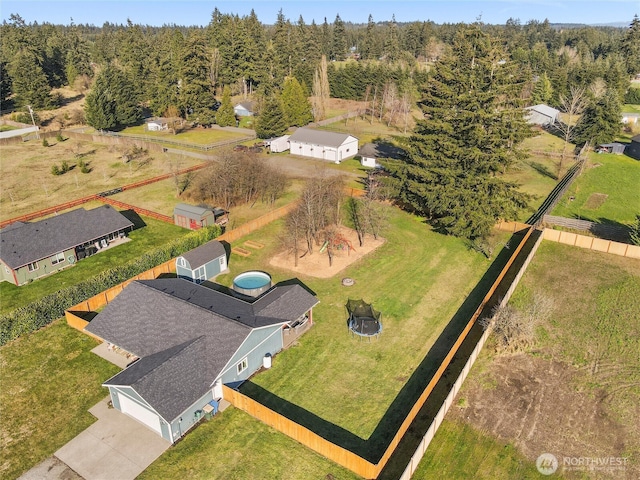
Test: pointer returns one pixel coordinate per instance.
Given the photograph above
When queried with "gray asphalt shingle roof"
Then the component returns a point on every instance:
(191, 211)
(204, 254)
(30, 242)
(185, 334)
(319, 137)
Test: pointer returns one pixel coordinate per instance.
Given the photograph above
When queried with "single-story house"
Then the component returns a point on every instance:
(29, 250)
(194, 217)
(277, 145)
(244, 109)
(615, 147)
(542, 115)
(190, 340)
(156, 124)
(323, 145)
(633, 149)
(370, 153)
(630, 118)
(202, 263)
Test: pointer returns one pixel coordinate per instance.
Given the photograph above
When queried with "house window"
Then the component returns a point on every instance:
(182, 262)
(32, 266)
(243, 365)
(6, 269)
(57, 258)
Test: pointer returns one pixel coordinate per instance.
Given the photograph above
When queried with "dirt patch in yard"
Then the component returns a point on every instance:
(595, 201)
(317, 264)
(536, 404)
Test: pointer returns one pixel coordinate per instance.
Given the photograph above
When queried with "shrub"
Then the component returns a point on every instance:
(55, 170)
(45, 142)
(42, 312)
(632, 96)
(59, 137)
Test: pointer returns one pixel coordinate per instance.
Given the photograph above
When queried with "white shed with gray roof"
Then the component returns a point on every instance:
(542, 115)
(323, 145)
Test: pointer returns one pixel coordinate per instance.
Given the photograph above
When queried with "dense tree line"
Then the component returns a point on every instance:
(185, 67)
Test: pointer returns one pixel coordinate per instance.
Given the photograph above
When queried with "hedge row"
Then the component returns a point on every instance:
(37, 314)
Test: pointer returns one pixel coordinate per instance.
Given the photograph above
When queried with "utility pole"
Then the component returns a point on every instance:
(33, 121)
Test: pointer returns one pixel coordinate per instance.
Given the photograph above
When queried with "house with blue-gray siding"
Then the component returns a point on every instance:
(189, 340)
(203, 262)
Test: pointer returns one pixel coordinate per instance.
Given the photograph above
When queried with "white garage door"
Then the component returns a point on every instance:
(140, 413)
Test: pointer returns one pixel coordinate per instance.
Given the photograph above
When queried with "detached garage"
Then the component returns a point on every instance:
(323, 145)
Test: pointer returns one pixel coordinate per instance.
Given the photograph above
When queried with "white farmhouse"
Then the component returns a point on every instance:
(323, 145)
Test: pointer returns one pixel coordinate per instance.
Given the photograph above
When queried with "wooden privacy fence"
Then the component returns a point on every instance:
(349, 459)
(138, 210)
(437, 421)
(592, 243)
(94, 303)
(301, 434)
(601, 230)
(512, 226)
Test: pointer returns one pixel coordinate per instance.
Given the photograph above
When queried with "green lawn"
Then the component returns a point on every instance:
(154, 234)
(606, 192)
(630, 108)
(48, 381)
(458, 451)
(418, 280)
(200, 136)
(234, 445)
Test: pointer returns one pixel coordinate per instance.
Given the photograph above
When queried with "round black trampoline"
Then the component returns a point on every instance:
(363, 319)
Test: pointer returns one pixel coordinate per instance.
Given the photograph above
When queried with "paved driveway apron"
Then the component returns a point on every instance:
(114, 447)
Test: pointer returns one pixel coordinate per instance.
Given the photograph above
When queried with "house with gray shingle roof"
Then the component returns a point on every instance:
(189, 340)
(542, 115)
(323, 145)
(29, 250)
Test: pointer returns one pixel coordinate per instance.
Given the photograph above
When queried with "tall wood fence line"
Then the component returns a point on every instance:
(79, 201)
(601, 230)
(557, 193)
(301, 434)
(138, 210)
(592, 243)
(437, 421)
(94, 303)
(353, 462)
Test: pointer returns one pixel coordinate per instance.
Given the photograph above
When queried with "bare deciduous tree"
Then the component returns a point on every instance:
(514, 330)
(321, 92)
(572, 106)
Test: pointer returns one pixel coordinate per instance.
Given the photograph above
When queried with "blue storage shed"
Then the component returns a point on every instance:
(202, 263)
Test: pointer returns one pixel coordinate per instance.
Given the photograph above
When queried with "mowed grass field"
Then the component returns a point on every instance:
(28, 184)
(608, 191)
(154, 234)
(49, 379)
(418, 279)
(199, 136)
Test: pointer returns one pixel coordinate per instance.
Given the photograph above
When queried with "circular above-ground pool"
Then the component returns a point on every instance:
(252, 283)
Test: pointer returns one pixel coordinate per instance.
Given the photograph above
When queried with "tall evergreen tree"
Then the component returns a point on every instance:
(472, 130)
(5, 84)
(630, 46)
(29, 81)
(270, 122)
(225, 116)
(112, 102)
(195, 91)
(295, 105)
(542, 90)
(600, 121)
(339, 40)
(392, 41)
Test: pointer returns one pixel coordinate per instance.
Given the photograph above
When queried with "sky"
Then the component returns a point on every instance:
(198, 12)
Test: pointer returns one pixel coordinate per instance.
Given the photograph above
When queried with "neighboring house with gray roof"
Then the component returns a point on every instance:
(190, 340)
(323, 145)
(31, 250)
(203, 262)
(243, 109)
(542, 115)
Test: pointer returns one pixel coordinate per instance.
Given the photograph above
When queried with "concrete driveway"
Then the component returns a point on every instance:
(114, 447)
